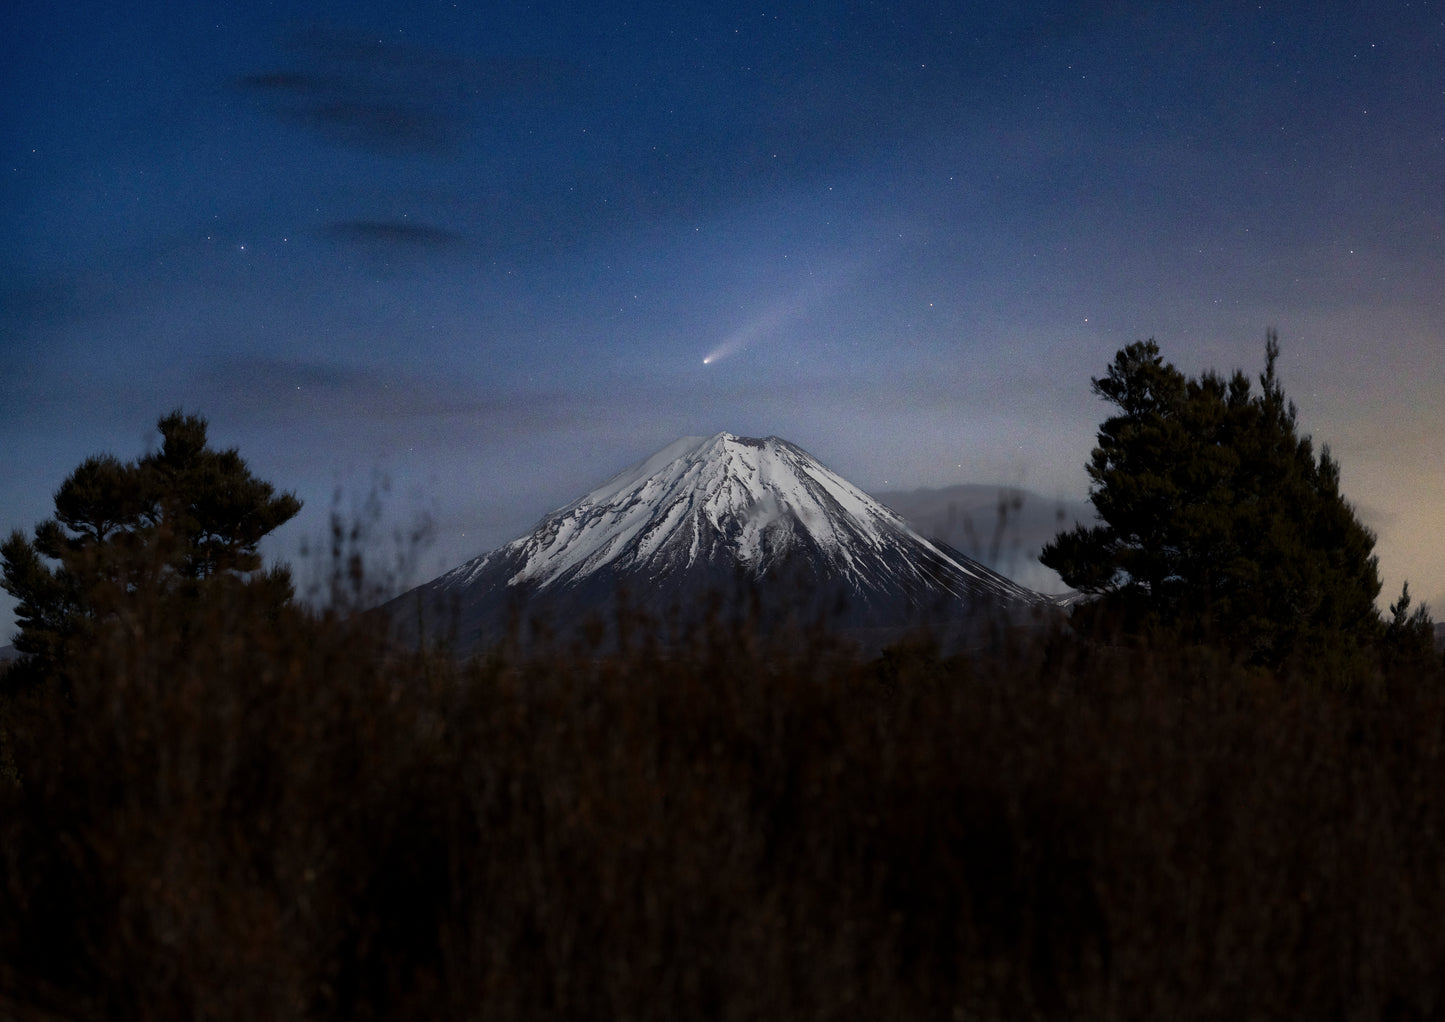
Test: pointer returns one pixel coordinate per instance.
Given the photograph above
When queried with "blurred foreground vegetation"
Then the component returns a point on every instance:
(232, 815)
(1203, 795)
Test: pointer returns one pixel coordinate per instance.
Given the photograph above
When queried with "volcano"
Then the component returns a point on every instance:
(708, 523)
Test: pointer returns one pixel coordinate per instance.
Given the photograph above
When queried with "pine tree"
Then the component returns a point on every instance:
(1218, 521)
(1409, 642)
(178, 526)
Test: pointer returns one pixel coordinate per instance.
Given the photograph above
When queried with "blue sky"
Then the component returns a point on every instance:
(481, 251)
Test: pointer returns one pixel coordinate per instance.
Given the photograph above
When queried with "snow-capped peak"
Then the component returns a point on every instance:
(705, 514)
(696, 487)
(709, 499)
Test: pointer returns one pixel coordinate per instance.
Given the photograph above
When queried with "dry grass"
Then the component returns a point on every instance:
(285, 821)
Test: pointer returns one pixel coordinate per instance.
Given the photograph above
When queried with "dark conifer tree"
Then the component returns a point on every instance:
(1218, 521)
(1410, 637)
(177, 526)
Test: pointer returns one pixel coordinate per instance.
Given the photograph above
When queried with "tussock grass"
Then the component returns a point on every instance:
(232, 818)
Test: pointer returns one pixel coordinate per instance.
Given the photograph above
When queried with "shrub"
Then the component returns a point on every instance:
(287, 820)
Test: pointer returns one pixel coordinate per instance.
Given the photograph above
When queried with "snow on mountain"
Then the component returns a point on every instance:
(707, 512)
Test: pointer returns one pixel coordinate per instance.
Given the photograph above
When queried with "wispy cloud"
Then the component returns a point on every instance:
(360, 91)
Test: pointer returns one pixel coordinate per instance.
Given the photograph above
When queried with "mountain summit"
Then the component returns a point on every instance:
(708, 517)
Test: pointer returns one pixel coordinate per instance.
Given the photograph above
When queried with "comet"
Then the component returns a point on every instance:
(771, 320)
(760, 326)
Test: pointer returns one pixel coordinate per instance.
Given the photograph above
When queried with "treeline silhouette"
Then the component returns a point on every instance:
(1213, 792)
(277, 816)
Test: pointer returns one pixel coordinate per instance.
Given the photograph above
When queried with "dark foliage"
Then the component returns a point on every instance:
(1409, 639)
(239, 808)
(179, 524)
(288, 821)
(1219, 522)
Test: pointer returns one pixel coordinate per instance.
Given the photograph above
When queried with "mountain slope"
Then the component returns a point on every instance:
(724, 515)
(1005, 527)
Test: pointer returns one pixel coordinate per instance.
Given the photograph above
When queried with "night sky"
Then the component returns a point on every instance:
(491, 253)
